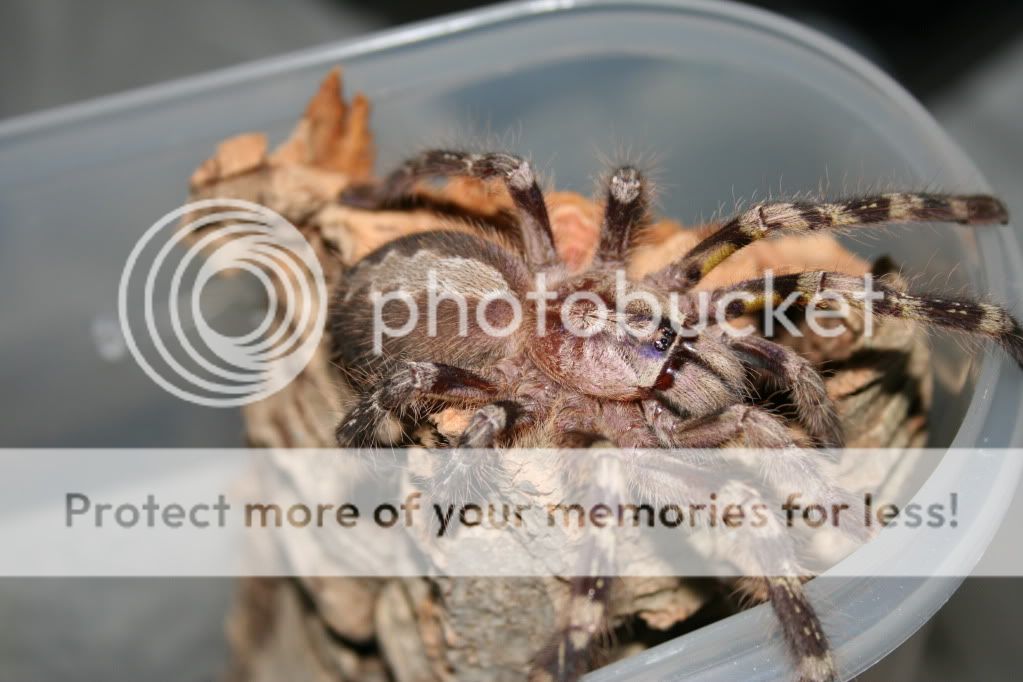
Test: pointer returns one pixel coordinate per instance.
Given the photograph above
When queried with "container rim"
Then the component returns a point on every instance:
(438, 28)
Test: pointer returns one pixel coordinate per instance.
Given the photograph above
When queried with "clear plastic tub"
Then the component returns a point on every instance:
(732, 102)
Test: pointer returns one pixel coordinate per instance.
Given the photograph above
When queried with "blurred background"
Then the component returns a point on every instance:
(964, 61)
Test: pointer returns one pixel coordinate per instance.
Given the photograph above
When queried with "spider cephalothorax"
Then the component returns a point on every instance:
(473, 316)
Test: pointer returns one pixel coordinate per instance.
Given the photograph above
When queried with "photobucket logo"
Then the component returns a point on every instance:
(167, 331)
(584, 313)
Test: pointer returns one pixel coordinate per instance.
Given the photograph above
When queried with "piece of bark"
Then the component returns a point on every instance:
(475, 628)
(237, 155)
(332, 135)
(276, 634)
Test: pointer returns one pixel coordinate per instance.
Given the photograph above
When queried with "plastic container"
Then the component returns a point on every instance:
(733, 102)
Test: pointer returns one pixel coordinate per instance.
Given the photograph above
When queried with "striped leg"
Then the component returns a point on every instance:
(767, 558)
(982, 319)
(804, 635)
(570, 652)
(489, 423)
(759, 442)
(806, 640)
(625, 214)
(789, 370)
(410, 385)
(766, 219)
(742, 426)
(472, 468)
(537, 237)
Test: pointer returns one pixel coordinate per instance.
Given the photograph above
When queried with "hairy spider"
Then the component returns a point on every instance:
(652, 379)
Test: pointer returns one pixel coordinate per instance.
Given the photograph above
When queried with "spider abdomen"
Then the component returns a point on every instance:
(445, 294)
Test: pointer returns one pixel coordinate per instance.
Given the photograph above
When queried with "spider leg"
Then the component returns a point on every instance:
(410, 385)
(570, 651)
(767, 559)
(625, 214)
(791, 371)
(489, 423)
(803, 632)
(766, 219)
(518, 177)
(472, 467)
(971, 317)
(742, 425)
(757, 440)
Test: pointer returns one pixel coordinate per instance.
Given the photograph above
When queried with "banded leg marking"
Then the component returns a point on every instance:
(518, 177)
(409, 385)
(982, 319)
(766, 219)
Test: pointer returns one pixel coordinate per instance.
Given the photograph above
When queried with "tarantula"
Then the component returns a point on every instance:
(651, 379)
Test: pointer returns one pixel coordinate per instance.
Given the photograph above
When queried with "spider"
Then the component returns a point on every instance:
(653, 379)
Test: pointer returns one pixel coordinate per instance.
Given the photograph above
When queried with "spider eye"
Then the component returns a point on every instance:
(664, 336)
